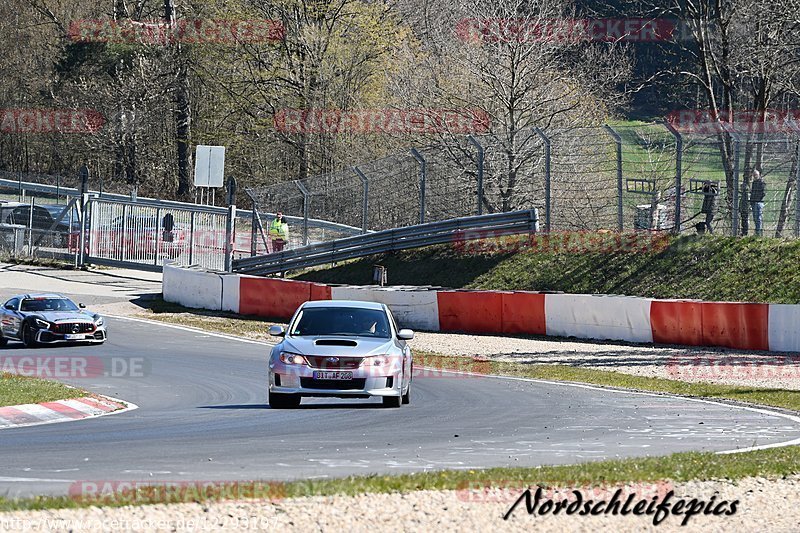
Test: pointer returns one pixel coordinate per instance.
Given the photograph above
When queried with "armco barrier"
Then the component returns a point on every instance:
(589, 316)
(749, 326)
(192, 287)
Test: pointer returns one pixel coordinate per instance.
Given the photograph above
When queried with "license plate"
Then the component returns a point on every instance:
(333, 375)
(73, 337)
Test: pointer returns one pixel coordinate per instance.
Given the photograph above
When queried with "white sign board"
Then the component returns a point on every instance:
(209, 166)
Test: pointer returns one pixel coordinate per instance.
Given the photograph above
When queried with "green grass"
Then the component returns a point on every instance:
(19, 390)
(697, 266)
(779, 462)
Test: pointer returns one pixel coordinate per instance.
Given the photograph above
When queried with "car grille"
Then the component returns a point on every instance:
(333, 384)
(323, 362)
(68, 327)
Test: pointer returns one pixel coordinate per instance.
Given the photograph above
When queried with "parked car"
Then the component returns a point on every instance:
(344, 349)
(42, 220)
(49, 319)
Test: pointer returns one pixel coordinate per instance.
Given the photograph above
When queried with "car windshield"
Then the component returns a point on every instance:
(47, 304)
(345, 321)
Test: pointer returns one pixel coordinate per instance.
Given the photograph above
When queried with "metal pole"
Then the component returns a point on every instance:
(797, 190)
(678, 174)
(422, 177)
(480, 164)
(191, 236)
(365, 202)
(158, 234)
(547, 199)
(230, 234)
(618, 141)
(253, 230)
(124, 230)
(82, 238)
(304, 191)
(735, 210)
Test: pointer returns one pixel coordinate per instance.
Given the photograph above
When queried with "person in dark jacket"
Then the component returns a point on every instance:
(709, 208)
(758, 190)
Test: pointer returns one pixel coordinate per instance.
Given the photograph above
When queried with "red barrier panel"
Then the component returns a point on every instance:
(677, 322)
(736, 325)
(523, 312)
(474, 312)
(320, 292)
(275, 298)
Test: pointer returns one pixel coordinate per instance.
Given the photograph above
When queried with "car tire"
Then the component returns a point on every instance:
(3, 340)
(283, 401)
(392, 401)
(28, 336)
(407, 395)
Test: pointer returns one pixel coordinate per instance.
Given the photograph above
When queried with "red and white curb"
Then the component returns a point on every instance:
(34, 414)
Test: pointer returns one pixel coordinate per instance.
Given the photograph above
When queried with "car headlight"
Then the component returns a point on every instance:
(98, 320)
(292, 358)
(377, 360)
(42, 323)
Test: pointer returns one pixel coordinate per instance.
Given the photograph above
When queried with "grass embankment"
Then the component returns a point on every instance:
(698, 266)
(19, 390)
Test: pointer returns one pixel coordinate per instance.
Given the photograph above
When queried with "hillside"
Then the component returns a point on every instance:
(697, 266)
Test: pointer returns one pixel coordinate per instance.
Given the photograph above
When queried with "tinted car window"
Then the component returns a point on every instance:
(13, 302)
(47, 304)
(344, 321)
(41, 218)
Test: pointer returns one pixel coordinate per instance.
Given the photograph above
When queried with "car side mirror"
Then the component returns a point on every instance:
(277, 331)
(10, 307)
(82, 306)
(405, 334)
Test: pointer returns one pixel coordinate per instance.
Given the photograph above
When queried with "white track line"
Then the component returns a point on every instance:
(787, 416)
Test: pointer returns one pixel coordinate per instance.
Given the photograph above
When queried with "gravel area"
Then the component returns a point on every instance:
(764, 505)
(712, 365)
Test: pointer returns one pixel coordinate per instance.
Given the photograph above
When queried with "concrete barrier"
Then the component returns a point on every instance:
(192, 287)
(589, 316)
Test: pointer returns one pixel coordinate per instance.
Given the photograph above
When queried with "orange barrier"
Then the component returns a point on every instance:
(320, 292)
(269, 297)
(474, 312)
(523, 312)
(677, 322)
(733, 325)
(736, 325)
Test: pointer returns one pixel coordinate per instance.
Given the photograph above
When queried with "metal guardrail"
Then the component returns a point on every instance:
(54, 190)
(492, 225)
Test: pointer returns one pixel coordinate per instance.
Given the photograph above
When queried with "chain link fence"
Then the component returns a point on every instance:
(627, 177)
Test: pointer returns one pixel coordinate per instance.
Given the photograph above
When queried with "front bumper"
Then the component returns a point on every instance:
(46, 336)
(366, 382)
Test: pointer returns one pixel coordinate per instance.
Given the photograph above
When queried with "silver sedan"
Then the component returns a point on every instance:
(341, 349)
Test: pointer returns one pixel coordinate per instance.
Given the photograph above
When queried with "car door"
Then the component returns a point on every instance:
(10, 318)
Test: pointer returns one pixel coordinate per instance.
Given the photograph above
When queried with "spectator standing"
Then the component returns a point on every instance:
(758, 191)
(709, 208)
(279, 232)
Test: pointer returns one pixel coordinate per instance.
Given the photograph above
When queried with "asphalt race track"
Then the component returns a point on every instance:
(203, 416)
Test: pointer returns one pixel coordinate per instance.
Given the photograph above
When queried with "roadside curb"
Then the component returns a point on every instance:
(34, 414)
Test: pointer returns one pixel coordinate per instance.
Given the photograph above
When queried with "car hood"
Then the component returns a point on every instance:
(364, 346)
(62, 316)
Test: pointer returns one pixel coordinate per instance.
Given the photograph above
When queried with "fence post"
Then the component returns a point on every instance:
(735, 210)
(480, 160)
(678, 174)
(191, 236)
(422, 177)
(546, 140)
(253, 230)
(159, 229)
(230, 227)
(365, 200)
(618, 141)
(304, 191)
(797, 189)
